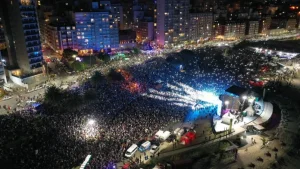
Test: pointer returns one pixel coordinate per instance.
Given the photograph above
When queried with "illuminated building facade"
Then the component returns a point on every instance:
(22, 29)
(60, 37)
(234, 30)
(200, 26)
(44, 15)
(97, 29)
(172, 22)
(252, 28)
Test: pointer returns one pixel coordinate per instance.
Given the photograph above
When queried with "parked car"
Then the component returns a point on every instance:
(145, 146)
(131, 150)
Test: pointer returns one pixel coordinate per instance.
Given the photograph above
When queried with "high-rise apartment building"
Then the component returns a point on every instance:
(265, 25)
(127, 15)
(234, 30)
(96, 29)
(172, 22)
(22, 30)
(61, 36)
(44, 16)
(252, 28)
(117, 13)
(200, 25)
(144, 31)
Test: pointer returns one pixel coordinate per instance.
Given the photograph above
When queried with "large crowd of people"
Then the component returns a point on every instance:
(51, 139)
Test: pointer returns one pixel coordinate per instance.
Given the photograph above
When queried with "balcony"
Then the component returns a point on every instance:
(32, 39)
(27, 33)
(33, 61)
(30, 27)
(31, 56)
(34, 50)
(28, 21)
(28, 15)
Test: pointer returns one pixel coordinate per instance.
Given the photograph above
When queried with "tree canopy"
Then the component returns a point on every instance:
(115, 76)
(68, 54)
(78, 66)
(53, 95)
(97, 77)
(103, 56)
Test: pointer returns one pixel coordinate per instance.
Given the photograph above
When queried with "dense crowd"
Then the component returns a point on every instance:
(61, 139)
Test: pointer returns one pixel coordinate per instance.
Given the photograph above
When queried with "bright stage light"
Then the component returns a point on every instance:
(226, 102)
(244, 97)
(185, 96)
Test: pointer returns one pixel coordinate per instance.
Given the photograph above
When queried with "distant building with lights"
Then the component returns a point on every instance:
(144, 31)
(265, 25)
(23, 39)
(230, 30)
(252, 28)
(44, 16)
(172, 22)
(61, 36)
(126, 20)
(235, 30)
(200, 26)
(96, 29)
